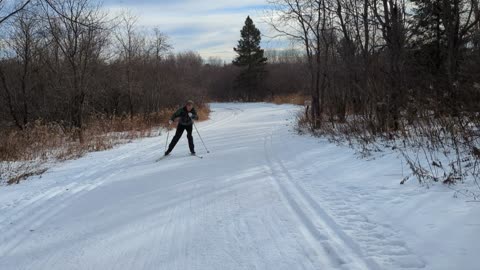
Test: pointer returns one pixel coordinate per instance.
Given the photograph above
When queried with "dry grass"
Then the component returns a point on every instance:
(203, 112)
(24, 153)
(296, 99)
(22, 176)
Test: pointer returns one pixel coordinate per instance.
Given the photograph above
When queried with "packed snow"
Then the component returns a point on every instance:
(263, 198)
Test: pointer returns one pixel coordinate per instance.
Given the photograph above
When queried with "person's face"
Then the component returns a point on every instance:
(189, 107)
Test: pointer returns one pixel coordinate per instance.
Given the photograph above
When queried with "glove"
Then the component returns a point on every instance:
(190, 114)
(170, 122)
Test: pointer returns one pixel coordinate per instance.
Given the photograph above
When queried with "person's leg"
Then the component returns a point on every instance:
(178, 135)
(190, 138)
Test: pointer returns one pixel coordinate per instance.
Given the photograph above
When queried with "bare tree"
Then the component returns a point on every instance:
(25, 43)
(158, 48)
(6, 12)
(159, 44)
(310, 23)
(391, 15)
(77, 33)
(131, 46)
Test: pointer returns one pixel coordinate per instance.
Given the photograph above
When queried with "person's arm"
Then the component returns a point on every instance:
(194, 114)
(176, 114)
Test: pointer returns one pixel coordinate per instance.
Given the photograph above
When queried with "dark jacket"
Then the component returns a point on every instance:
(182, 114)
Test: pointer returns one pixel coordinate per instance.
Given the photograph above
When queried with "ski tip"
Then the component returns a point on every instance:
(160, 158)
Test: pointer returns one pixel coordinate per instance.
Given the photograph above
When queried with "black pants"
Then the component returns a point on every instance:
(178, 135)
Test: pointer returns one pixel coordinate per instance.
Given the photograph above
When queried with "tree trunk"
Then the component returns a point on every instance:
(11, 106)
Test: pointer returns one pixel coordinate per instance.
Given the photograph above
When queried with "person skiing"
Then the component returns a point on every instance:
(186, 116)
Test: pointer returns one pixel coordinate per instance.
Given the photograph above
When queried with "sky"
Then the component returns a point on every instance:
(209, 27)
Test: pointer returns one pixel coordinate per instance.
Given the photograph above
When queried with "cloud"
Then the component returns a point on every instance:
(209, 27)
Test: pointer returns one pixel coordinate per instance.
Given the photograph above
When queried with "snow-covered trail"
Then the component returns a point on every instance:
(264, 198)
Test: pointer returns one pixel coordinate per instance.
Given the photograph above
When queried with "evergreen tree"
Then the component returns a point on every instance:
(430, 34)
(250, 58)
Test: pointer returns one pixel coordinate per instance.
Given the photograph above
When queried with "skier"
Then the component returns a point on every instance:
(186, 115)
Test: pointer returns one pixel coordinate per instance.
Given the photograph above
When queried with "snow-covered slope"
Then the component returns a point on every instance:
(264, 198)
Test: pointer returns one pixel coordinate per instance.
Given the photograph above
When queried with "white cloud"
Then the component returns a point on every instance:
(210, 27)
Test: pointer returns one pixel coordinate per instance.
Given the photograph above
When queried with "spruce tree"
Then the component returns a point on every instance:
(250, 58)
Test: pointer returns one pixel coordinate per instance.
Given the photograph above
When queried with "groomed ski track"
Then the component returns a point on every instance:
(262, 199)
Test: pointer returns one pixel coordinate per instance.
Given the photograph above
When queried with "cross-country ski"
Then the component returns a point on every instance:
(170, 156)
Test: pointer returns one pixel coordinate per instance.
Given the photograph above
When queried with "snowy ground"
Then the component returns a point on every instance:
(264, 198)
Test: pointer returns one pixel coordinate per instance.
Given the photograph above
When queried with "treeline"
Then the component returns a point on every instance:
(384, 58)
(69, 62)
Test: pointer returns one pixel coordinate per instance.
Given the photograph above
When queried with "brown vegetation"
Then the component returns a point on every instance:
(296, 99)
(24, 153)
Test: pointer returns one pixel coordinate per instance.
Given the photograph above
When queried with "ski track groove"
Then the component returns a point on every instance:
(394, 252)
(304, 211)
(56, 190)
(24, 224)
(23, 221)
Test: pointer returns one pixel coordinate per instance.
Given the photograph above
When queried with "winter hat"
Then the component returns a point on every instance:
(189, 102)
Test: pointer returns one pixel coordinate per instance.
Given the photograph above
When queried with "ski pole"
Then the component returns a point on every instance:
(166, 142)
(200, 137)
